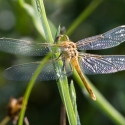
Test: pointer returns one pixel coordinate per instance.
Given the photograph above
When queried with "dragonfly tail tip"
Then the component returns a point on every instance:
(93, 97)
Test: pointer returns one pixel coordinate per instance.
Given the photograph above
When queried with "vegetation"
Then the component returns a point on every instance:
(44, 103)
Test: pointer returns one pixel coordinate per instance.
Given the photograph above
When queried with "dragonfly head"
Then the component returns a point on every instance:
(62, 38)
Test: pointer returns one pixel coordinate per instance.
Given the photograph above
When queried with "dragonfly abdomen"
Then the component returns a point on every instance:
(74, 62)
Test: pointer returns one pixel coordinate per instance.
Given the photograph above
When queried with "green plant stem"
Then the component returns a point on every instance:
(44, 22)
(29, 88)
(62, 81)
(85, 13)
(101, 102)
(31, 11)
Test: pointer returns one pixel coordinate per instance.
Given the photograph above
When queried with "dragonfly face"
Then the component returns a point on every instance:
(83, 62)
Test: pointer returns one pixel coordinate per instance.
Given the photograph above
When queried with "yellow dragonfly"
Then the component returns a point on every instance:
(82, 62)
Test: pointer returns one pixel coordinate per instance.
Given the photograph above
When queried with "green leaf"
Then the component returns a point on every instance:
(74, 104)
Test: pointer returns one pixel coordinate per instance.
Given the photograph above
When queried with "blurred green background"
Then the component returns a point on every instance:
(44, 104)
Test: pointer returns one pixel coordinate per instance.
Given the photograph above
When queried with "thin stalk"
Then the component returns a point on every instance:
(63, 115)
(85, 13)
(29, 88)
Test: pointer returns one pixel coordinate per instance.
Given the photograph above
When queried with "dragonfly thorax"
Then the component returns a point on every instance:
(69, 49)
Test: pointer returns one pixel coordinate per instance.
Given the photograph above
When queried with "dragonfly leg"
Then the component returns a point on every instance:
(59, 56)
(63, 67)
(70, 72)
(66, 70)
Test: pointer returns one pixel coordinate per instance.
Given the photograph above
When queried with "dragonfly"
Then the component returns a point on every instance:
(81, 61)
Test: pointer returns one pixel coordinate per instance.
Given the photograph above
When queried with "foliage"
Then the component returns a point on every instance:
(108, 15)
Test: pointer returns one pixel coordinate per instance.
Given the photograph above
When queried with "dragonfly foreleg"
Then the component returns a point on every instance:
(59, 56)
(64, 65)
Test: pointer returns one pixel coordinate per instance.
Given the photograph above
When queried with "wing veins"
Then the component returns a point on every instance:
(106, 40)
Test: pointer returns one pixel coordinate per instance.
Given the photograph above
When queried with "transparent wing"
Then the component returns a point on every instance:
(96, 64)
(22, 47)
(24, 72)
(107, 40)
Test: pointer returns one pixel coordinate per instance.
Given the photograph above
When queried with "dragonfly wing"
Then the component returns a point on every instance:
(24, 72)
(96, 64)
(106, 40)
(22, 47)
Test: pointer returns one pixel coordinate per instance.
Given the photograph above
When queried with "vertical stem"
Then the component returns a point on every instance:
(63, 115)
